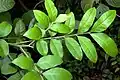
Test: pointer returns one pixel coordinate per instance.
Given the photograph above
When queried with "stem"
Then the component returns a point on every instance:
(10, 57)
(24, 52)
(22, 4)
(38, 4)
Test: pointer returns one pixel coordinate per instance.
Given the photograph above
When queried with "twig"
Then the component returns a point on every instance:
(24, 52)
(22, 4)
(38, 4)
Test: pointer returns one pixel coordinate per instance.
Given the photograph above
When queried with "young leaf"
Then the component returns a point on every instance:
(57, 74)
(88, 48)
(32, 76)
(24, 62)
(33, 33)
(104, 21)
(71, 21)
(60, 28)
(74, 48)
(5, 29)
(56, 47)
(49, 61)
(51, 9)
(106, 43)
(87, 20)
(19, 28)
(42, 18)
(42, 47)
(16, 76)
(4, 48)
(61, 18)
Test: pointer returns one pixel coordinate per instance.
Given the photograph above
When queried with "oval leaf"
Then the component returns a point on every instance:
(42, 18)
(88, 48)
(4, 48)
(87, 20)
(114, 3)
(42, 47)
(33, 33)
(57, 74)
(104, 21)
(5, 29)
(56, 47)
(16, 76)
(61, 18)
(49, 61)
(51, 9)
(74, 48)
(106, 43)
(24, 62)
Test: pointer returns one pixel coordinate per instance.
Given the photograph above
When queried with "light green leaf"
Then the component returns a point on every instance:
(61, 18)
(106, 43)
(8, 69)
(4, 48)
(87, 20)
(32, 76)
(49, 61)
(6, 5)
(24, 62)
(57, 74)
(88, 48)
(16, 76)
(51, 9)
(19, 28)
(74, 48)
(104, 21)
(33, 33)
(42, 47)
(56, 47)
(5, 29)
(71, 21)
(42, 18)
(114, 3)
(60, 28)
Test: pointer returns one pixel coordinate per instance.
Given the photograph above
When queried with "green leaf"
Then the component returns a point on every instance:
(33, 33)
(61, 18)
(8, 69)
(5, 29)
(4, 48)
(42, 47)
(42, 18)
(32, 76)
(19, 28)
(104, 21)
(49, 61)
(74, 48)
(56, 47)
(106, 43)
(6, 5)
(51, 9)
(87, 20)
(57, 74)
(60, 28)
(114, 3)
(5, 16)
(16, 76)
(88, 48)
(24, 62)
(71, 21)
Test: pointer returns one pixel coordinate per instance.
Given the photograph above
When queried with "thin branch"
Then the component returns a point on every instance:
(24, 52)
(22, 4)
(38, 4)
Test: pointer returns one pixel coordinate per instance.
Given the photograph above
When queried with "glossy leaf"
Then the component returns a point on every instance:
(87, 20)
(104, 21)
(42, 47)
(57, 74)
(33, 33)
(5, 29)
(16, 76)
(32, 76)
(60, 28)
(61, 18)
(114, 3)
(74, 48)
(56, 47)
(106, 43)
(88, 48)
(42, 18)
(4, 48)
(51, 9)
(6, 5)
(24, 62)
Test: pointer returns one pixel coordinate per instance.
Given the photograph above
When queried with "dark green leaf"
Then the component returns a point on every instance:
(114, 3)
(16, 76)
(5, 16)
